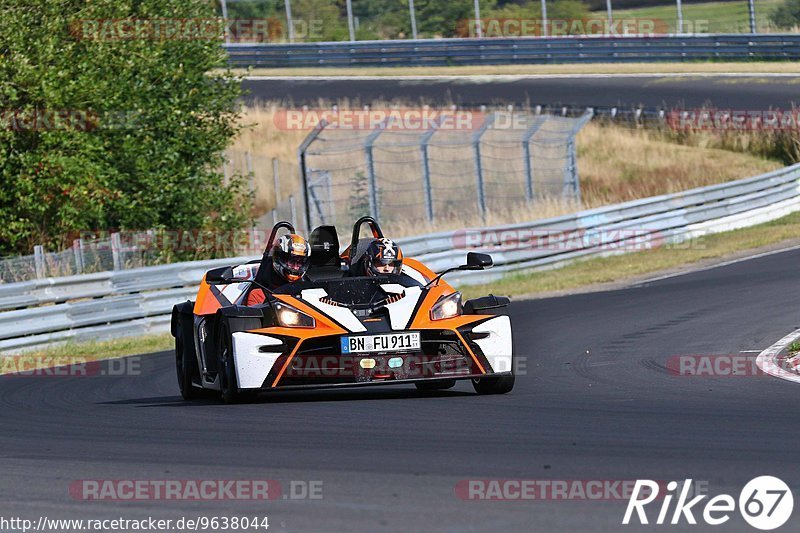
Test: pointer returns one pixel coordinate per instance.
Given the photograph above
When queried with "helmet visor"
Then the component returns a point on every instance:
(297, 264)
(387, 266)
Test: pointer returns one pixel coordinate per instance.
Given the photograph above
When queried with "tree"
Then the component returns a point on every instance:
(787, 15)
(107, 129)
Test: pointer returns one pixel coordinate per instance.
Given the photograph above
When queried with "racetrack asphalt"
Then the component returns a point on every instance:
(740, 92)
(594, 402)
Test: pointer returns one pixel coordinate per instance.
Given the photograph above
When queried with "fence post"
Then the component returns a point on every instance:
(476, 147)
(374, 208)
(251, 177)
(224, 168)
(426, 169)
(572, 186)
(538, 122)
(38, 259)
(77, 249)
(293, 211)
(301, 156)
(276, 180)
(116, 245)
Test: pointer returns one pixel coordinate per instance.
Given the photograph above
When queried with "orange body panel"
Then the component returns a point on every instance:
(206, 303)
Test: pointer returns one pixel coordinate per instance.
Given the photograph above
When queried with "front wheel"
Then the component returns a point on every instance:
(493, 385)
(228, 380)
(186, 367)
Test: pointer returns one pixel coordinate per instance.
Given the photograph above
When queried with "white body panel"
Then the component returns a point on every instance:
(400, 311)
(252, 367)
(342, 315)
(498, 346)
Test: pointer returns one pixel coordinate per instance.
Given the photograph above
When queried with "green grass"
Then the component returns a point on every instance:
(75, 353)
(721, 17)
(628, 266)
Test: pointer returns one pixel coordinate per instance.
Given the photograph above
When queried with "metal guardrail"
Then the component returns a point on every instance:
(129, 302)
(495, 51)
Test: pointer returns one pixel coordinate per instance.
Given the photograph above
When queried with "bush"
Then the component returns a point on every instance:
(128, 133)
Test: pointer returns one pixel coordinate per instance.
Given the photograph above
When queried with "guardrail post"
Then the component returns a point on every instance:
(538, 121)
(77, 249)
(476, 148)
(116, 252)
(38, 260)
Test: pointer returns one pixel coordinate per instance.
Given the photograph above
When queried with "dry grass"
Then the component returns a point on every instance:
(265, 142)
(615, 163)
(523, 70)
(618, 164)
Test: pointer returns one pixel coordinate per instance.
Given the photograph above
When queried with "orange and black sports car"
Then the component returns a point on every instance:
(336, 328)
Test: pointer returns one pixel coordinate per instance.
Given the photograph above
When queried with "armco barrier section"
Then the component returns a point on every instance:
(497, 51)
(130, 302)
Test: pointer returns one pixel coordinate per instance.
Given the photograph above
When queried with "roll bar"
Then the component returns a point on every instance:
(373, 226)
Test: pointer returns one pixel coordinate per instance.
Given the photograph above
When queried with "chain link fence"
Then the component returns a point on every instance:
(460, 167)
(115, 252)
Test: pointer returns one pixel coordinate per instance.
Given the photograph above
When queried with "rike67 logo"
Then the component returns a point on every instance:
(765, 503)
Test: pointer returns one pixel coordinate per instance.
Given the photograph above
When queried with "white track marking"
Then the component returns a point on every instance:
(515, 77)
(766, 360)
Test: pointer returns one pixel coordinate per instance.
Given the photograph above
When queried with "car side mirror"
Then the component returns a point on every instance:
(477, 261)
(220, 276)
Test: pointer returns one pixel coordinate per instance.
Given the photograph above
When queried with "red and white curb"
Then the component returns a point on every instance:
(767, 360)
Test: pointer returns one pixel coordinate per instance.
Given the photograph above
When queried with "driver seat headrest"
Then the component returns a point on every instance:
(324, 247)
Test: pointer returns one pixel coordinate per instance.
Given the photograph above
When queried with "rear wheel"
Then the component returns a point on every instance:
(493, 385)
(439, 384)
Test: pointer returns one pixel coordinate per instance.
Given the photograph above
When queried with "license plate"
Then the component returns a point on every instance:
(387, 342)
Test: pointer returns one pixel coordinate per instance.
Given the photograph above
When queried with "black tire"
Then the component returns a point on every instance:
(185, 366)
(228, 380)
(493, 385)
(439, 384)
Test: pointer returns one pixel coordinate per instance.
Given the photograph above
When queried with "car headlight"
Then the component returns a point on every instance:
(289, 317)
(447, 307)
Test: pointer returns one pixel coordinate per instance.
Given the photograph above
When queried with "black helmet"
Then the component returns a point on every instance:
(291, 257)
(383, 257)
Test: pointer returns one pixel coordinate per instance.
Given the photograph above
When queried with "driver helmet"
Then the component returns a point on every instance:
(291, 257)
(383, 257)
